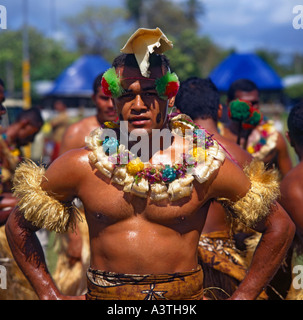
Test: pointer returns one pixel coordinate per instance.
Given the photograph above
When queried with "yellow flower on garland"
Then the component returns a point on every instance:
(199, 154)
(250, 149)
(181, 126)
(111, 125)
(15, 153)
(135, 166)
(267, 126)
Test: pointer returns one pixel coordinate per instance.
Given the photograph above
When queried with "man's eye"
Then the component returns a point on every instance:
(126, 96)
(150, 94)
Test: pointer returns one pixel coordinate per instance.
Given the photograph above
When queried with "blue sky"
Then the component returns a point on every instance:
(245, 25)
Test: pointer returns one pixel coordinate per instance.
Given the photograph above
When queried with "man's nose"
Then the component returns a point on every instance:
(111, 103)
(138, 105)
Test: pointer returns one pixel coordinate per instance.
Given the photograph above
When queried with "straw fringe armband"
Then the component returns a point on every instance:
(37, 206)
(256, 204)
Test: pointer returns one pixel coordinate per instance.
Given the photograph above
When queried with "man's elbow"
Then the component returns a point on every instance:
(282, 225)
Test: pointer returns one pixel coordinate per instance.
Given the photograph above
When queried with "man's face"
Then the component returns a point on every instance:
(105, 107)
(26, 134)
(251, 96)
(2, 99)
(140, 104)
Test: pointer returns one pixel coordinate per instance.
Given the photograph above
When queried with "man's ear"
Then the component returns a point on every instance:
(220, 111)
(171, 102)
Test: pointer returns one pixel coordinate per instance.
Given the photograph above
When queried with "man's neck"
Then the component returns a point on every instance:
(234, 129)
(208, 124)
(156, 143)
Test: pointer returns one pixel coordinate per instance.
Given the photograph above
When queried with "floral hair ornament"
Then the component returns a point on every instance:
(243, 112)
(247, 116)
(142, 44)
(111, 84)
(167, 86)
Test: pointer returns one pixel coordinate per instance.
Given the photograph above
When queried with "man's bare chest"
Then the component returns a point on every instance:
(108, 202)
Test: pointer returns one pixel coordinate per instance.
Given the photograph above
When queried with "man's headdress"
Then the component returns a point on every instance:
(142, 44)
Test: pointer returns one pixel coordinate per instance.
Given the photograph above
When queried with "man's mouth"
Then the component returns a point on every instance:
(111, 113)
(138, 121)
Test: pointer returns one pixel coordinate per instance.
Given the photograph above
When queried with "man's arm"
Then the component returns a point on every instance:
(29, 256)
(61, 178)
(277, 233)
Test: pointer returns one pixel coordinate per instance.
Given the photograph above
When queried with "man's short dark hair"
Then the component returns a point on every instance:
(33, 115)
(97, 82)
(129, 60)
(198, 98)
(295, 124)
(2, 83)
(240, 85)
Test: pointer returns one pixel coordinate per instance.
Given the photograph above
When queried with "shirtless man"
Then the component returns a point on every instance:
(292, 190)
(247, 90)
(130, 234)
(12, 138)
(200, 99)
(77, 242)
(74, 136)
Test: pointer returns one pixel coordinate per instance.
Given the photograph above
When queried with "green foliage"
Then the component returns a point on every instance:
(104, 30)
(194, 55)
(47, 57)
(95, 30)
(295, 91)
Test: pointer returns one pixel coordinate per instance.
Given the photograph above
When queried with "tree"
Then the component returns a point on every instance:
(194, 9)
(96, 30)
(135, 11)
(47, 57)
(194, 55)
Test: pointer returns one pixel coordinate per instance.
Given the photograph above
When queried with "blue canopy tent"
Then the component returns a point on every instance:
(248, 66)
(74, 85)
(77, 79)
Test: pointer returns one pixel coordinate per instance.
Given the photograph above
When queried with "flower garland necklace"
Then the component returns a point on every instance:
(159, 181)
(263, 140)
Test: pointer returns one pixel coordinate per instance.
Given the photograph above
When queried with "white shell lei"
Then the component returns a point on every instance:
(175, 190)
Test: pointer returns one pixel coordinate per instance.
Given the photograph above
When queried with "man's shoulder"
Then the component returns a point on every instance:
(82, 128)
(293, 179)
(72, 158)
(292, 185)
(236, 153)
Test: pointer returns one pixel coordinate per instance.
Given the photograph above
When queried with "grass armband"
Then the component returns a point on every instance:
(38, 207)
